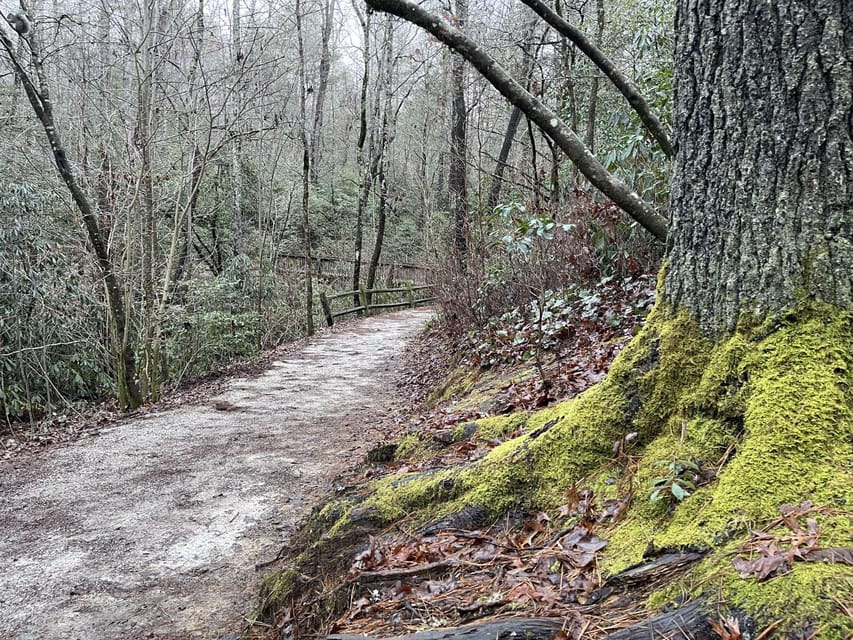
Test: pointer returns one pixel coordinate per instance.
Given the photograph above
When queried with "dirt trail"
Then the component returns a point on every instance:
(152, 528)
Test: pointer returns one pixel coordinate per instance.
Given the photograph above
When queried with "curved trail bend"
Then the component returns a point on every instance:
(152, 528)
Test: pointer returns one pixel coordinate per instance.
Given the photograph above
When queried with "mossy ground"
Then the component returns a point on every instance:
(773, 414)
(767, 415)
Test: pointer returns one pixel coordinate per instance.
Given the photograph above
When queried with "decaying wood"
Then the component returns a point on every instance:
(662, 566)
(510, 629)
(689, 622)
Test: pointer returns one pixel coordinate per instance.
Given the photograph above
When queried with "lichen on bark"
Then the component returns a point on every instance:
(761, 190)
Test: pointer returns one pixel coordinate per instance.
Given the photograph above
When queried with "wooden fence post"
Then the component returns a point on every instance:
(327, 310)
(364, 303)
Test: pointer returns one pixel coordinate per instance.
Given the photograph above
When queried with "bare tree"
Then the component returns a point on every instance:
(34, 81)
(593, 89)
(386, 138)
(322, 87)
(306, 174)
(457, 180)
(238, 61)
(367, 164)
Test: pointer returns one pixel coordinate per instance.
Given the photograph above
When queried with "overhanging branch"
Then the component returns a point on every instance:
(535, 110)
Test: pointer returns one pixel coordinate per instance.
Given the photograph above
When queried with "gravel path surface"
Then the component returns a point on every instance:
(152, 528)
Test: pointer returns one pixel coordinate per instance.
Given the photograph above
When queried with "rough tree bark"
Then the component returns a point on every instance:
(761, 192)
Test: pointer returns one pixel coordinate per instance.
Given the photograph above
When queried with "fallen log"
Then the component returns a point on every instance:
(509, 629)
(689, 622)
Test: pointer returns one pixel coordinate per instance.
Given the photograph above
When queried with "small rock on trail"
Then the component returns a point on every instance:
(152, 528)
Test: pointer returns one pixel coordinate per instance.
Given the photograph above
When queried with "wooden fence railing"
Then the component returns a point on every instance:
(367, 296)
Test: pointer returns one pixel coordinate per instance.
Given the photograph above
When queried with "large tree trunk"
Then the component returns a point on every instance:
(761, 192)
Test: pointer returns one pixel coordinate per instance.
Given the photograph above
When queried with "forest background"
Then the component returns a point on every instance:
(223, 163)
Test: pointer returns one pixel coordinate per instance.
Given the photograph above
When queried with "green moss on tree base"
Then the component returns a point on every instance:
(775, 414)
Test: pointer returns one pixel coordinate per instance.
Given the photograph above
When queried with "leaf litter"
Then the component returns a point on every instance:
(541, 564)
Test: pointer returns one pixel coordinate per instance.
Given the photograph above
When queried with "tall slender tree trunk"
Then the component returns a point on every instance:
(306, 175)
(503, 156)
(513, 122)
(593, 86)
(566, 103)
(381, 215)
(199, 160)
(386, 138)
(534, 165)
(364, 173)
(457, 179)
(238, 62)
(143, 138)
(423, 174)
(321, 90)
